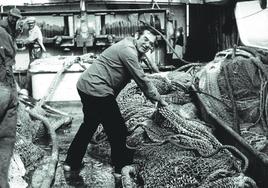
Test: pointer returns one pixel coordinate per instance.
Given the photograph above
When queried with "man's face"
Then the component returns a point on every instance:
(31, 25)
(146, 42)
(12, 19)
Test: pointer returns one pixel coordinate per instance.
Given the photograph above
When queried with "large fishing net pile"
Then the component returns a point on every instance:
(28, 130)
(234, 88)
(30, 133)
(136, 108)
(27, 154)
(173, 147)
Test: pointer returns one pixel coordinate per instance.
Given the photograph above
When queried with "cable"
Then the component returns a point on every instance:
(158, 32)
(251, 14)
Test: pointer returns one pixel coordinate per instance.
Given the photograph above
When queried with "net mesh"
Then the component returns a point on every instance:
(234, 88)
(172, 151)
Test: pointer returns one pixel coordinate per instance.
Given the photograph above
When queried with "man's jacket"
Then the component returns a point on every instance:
(7, 58)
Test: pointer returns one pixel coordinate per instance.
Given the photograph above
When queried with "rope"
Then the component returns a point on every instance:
(263, 97)
(213, 97)
(188, 65)
(55, 81)
(231, 95)
(232, 149)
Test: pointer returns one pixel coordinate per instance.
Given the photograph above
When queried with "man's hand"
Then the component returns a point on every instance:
(44, 55)
(162, 103)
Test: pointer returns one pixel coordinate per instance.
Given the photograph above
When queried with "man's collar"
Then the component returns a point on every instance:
(140, 55)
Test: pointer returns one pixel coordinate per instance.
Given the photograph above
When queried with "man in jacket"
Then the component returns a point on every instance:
(34, 41)
(9, 24)
(8, 105)
(98, 87)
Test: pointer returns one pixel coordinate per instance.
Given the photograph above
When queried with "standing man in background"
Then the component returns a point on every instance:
(34, 41)
(179, 43)
(8, 105)
(9, 24)
(170, 32)
(98, 88)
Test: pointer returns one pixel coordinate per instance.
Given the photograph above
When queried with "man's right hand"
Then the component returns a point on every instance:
(162, 103)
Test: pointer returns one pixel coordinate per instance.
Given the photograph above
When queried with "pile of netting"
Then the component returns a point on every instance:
(173, 148)
(134, 106)
(27, 154)
(234, 88)
(28, 131)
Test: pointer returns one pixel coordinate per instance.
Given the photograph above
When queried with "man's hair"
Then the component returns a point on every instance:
(145, 27)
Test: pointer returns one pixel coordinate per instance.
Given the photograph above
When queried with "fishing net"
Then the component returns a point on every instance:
(29, 152)
(172, 151)
(27, 131)
(30, 129)
(234, 88)
(136, 108)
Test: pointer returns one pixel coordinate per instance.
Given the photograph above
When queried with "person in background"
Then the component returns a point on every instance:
(170, 31)
(179, 43)
(8, 105)
(9, 23)
(98, 87)
(34, 41)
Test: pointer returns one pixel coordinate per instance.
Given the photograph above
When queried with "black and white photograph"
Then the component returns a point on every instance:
(133, 94)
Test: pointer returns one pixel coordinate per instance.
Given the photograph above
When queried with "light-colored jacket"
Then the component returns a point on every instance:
(36, 34)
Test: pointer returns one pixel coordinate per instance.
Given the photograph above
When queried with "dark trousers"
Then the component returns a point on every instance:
(8, 123)
(35, 51)
(102, 110)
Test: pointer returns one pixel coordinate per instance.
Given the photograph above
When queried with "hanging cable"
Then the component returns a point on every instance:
(251, 14)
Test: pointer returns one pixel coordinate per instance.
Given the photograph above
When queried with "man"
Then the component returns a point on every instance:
(34, 41)
(179, 43)
(8, 105)
(9, 24)
(98, 87)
